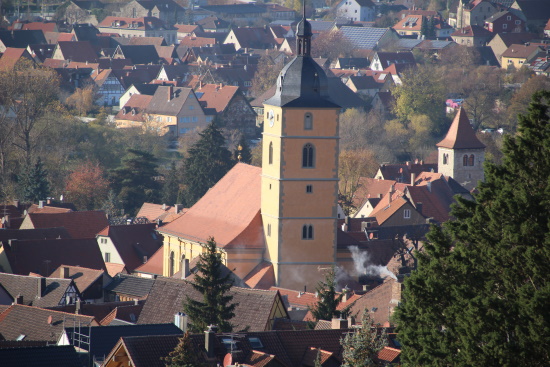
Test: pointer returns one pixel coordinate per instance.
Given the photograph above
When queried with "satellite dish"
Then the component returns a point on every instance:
(227, 360)
(50, 320)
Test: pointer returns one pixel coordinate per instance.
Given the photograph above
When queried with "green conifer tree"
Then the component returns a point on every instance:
(34, 183)
(216, 307)
(481, 293)
(183, 355)
(328, 297)
(208, 161)
(360, 348)
(244, 152)
(171, 187)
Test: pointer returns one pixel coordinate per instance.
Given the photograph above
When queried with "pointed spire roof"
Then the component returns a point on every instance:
(461, 135)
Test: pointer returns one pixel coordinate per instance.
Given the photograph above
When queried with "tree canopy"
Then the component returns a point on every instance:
(360, 348)
(328, 298)
(216, 307)
(481, 293)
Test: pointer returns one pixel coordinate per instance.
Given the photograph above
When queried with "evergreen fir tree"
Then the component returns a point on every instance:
(245, 153)
(208, 161)
(171, 187)
(183, 355)
(34, 183)
(360, 348)
(328, 298)
(135, 180)
(216, 307)
(424, 27)
(481, 293)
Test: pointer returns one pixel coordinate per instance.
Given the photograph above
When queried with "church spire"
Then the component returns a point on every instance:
(303, 35)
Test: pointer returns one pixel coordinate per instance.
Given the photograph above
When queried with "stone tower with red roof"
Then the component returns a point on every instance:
(461, 154)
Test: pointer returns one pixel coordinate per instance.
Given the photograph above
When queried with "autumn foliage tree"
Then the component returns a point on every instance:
(82, 100)
(331, 44)
(87, 187)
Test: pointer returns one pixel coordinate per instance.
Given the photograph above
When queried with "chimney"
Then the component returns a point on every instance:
(16, 203)
(346, 222)
(396, 289)
(64, 273)
(49, 201)
(339, 323)
(19, 300)
(209, 340)
(345, 294)
(77, 306)
(429, 185)
(144, 259)
(181, 320)
(41, 204)
(413, 178)
(351, 321)
(390, 193)
(178, 208)
(41, 286)
(163, 206)
(170, 92)
(185, 271)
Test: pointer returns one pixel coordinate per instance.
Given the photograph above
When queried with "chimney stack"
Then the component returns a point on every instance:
(41, 204)
(77, 306)
(178, 208)
(339, 323)
(41, 287)
(170, 92)
(209, 340)
(64, 274)
(181, 320)
(413, 178)
(345, 294)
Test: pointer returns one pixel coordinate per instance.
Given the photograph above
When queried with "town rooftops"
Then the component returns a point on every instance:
(48, 356)
(36, 291)
(522, 51)
(82, 277)
(131, 286)
(216, 96)
(79, 224)
(461, 135)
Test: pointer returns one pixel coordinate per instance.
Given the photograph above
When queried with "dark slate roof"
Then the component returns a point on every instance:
(104, 338)
(147, 89)
(167, 295)
(80, 51)
(33, 322)
(534, 9)
(160, 103)
(49, 356)
(42, 256)
(27, 286)
(34, 234)
(302, 83)
(97, 310)
(21, 39)
(342, 95)
(131, 286)
(140, 54)
(353, 62)
(85, 32)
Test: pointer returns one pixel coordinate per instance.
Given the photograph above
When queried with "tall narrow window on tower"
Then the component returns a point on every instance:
(471, 160)
(270, 153)
(307, 232)
(308, 121)
(308, 156)
(465, 160)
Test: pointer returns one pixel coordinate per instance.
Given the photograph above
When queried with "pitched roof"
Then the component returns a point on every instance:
(129, 313)
(132, 286)
(81, 51)
(11, 56)
(82, 277)
(140, 54)
(161, 105)
(364, 37)
(380, 301)
(461, 135)
(97, 310)
(436, 198)
(27, 286)
(216, 97)
(261, 277)
(522, 51)
(384, 210)
(134, 242)
(79, 224)
(135, 108)
(389, 355)
(34, 323)
(472, 31)
(229, 212)
(21, 38)
(34, 234)
(41, 256)
(163, 212)
(43, 356)
(167, 295)
(153, 265)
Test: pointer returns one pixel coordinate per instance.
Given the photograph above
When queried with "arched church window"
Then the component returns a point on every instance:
(471, 160)
(308, 156)
(308, 121)
(171, 265)
(307, 232)
(270, 153)
(465, 160)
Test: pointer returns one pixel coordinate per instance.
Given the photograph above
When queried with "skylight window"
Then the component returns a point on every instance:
(255, 343)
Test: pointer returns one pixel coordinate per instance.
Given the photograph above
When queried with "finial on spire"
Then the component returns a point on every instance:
(303, 34)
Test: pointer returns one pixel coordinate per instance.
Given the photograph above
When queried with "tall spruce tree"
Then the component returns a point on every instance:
(183, 355)
(481, 294)
(360, 348)
(208, 161)
(216, 307)
(171, 187)
(329, 299)
(34, 182)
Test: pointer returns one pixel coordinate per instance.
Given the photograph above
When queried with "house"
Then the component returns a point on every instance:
(380, 301)
(395, 210)
(383, 103)
(37, 291)
(244, 38)
(351, 63)
(20, 39)
(89, 282)
(474, 13)
(356, 10)
(382, 60)
(79, 11)
(110, 86)
(42, 256)
(13, 56)
(123, 314)
(168, 11)
(138, 88)
(256, 309)
(41, 52)
(139, 27)
(96, 342)
(534, 12)
(237, 12)
(518, 55)
(213, 24)
(80, 51)
(365, 85)
(404, 173)
(461, 154)
(505, 21)
(83, 224)
(139, 54)
(277, 12)
(134, 114)
(19, 322)
(229, 104)
(369, 193)
(160, 213)
(184, 30)
(48, 355)
(179, 106)
(501, 41)
(126, 287)
(472, 36)
(128, 245)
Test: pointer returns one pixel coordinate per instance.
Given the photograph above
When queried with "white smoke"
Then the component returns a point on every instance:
(362, 266)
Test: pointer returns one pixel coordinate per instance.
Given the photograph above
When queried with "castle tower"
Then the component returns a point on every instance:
(461, 154)
(300, 170)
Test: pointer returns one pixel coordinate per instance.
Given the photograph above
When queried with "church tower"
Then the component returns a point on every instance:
(461, 154)
(300, 171)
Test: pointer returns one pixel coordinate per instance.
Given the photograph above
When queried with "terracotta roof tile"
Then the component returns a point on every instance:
(114, 269)
(217, 97)
(226, 211)
(153, 265)
(11, 56)
(129, 313)
(261, 277)
(293, 298)
(79, 224)
(380, 301)
(461, 135)
(389, 355)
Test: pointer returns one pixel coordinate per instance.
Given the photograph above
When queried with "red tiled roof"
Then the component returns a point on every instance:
(388, 354)
(379, 301)
(153, 264)
(229, 211)
(123, 312)
(461, 135)
(46, 209)
(11, 56)
(296, 298)
(472, 31)
(261, 277)
(79, 224)
(217, 97)
(83, 277)
(113, 269)
(385, 209)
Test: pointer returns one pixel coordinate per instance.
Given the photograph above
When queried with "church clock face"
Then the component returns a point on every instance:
(271, 117)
